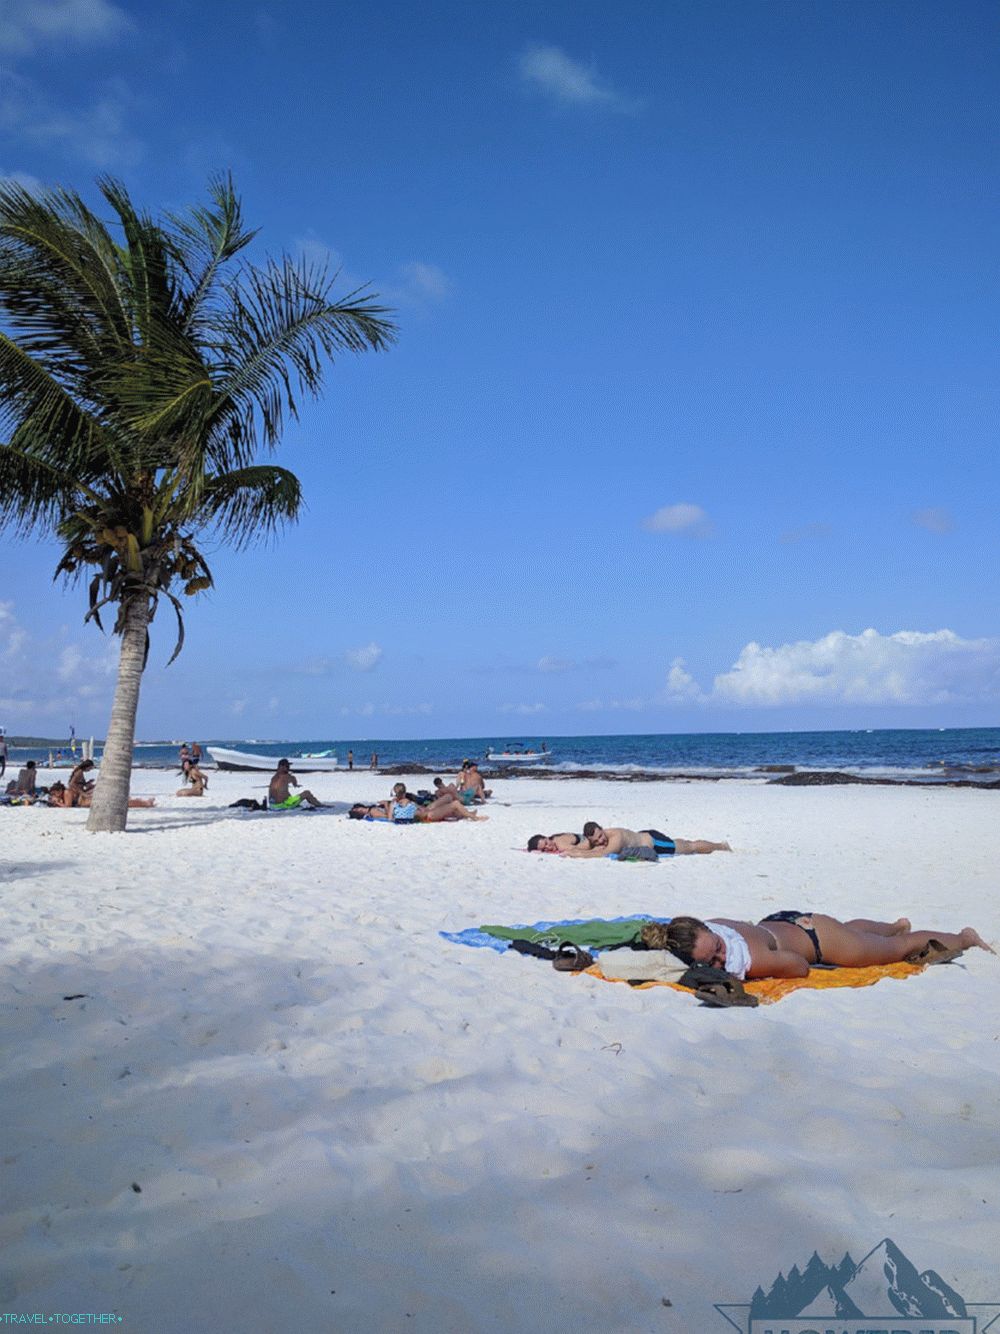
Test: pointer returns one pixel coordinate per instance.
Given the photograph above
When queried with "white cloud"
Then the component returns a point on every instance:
(46, 678)
(934, 520)
(426, 280)
(23, 179)
(70, 660)
(98, 134)
(681, 685)
(525, 709)
(238, 707)
(28, 24)
(317, 254)
(549, 70)
(416, 284)
(364, 659)
(691, 520)
(12, 635)
(910, 667)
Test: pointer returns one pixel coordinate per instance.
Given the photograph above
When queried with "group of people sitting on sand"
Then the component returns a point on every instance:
(625, 844)
(448, 801)
(405, 807)
(77, 791)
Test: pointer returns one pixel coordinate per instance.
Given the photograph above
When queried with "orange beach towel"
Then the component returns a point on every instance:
(771, 989)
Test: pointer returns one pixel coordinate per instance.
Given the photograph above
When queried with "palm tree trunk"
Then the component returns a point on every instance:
(109, 808)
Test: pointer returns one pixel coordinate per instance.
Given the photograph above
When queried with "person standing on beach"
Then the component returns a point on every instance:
(195, 753)
(184, 755)
(279, 797)
(374, 762)
(3, 754)
(350, 759)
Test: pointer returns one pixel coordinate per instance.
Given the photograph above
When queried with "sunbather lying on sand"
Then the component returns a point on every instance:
(598, 842)
(786, 943)
(59, 795)
(556, 842)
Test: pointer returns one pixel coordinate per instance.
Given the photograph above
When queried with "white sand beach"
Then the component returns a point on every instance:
(281, 1100)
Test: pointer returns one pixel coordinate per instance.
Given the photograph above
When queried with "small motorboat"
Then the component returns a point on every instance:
(246, 760)
(518, 756)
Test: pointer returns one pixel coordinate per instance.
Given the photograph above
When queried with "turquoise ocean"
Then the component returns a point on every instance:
(972, 753)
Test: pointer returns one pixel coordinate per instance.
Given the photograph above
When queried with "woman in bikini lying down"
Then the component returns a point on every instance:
(401, 809)
(555, 842)
(785, 944)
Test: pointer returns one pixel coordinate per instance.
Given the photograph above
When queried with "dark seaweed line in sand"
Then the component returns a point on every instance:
(798, 778)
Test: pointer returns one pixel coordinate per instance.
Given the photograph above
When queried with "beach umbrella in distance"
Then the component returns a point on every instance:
(146, 366)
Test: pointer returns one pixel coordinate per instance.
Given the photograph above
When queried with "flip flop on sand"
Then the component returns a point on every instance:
(571, 959)
(724, 994)
(933, 952)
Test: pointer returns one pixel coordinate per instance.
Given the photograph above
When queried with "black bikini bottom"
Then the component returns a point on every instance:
(793, 917)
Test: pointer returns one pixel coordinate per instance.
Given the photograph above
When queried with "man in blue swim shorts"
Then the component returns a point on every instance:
(600, 842)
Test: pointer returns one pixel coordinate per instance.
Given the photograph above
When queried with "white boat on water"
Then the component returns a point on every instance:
(247, 760)
(518, 756)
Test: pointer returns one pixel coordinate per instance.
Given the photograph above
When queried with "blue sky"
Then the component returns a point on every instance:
(692, 420)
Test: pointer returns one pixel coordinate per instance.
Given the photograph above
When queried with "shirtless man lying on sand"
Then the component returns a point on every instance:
(786, 943)
(599, 842)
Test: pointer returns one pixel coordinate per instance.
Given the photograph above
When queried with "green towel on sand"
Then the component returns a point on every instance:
(598, 934)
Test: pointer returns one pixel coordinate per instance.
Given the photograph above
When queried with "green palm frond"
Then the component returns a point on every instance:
(276, 332)
(205, 241)
(33, 494)
(59, 269)
(146, 261)
(249, 503)
(36, 406)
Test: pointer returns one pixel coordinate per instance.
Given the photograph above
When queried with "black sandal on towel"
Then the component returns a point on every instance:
(571, 959)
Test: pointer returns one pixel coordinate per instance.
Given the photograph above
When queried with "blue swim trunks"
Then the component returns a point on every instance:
(663, 846)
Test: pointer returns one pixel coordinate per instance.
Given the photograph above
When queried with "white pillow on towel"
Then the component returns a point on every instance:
(641, 965)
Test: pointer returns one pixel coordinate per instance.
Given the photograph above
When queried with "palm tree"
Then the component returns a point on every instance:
(144, 367)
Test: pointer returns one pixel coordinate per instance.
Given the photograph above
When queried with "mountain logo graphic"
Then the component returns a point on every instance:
(882, 1294)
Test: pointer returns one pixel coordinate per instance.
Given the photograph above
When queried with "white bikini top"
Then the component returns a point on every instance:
(737, 950)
